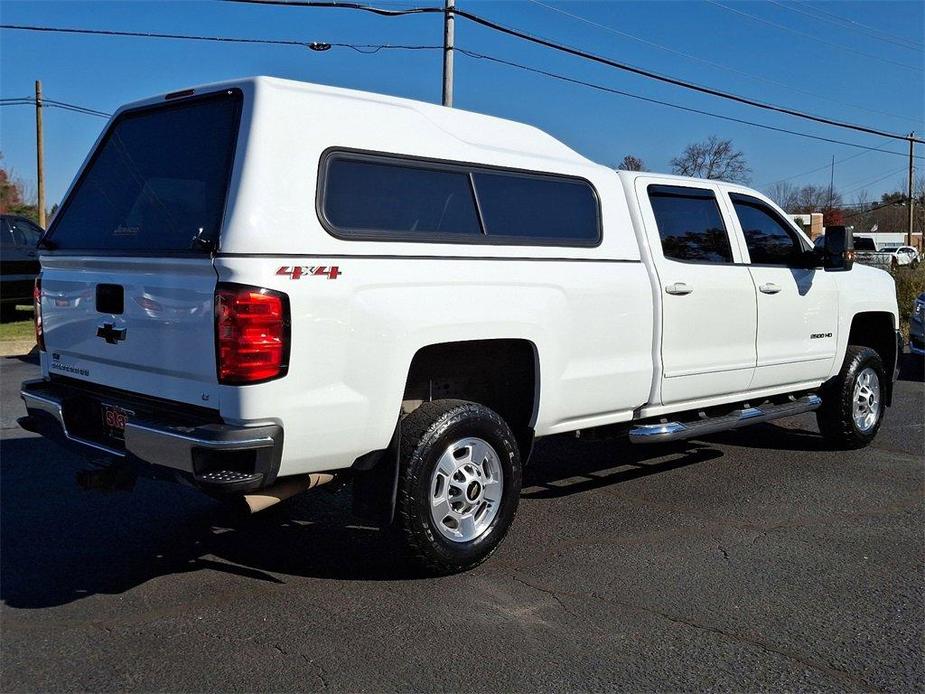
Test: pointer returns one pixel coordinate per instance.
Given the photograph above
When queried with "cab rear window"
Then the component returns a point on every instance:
(157, 181)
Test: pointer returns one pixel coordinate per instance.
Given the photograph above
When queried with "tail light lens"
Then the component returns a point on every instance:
(37, 305)
(251, 334)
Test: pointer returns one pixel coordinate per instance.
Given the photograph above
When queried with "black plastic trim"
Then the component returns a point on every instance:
(359, 256)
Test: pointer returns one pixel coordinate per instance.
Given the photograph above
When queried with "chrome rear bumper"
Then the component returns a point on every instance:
(199, 450)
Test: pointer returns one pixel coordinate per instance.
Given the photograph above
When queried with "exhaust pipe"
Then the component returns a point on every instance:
(285, 488)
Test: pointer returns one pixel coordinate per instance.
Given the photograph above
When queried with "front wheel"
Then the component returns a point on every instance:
(852, 404)
(459, 483)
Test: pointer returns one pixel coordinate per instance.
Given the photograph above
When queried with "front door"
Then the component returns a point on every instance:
(708, 305)
(797, 305)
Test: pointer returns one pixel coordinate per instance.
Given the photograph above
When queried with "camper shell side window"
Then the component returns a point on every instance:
(384, 197)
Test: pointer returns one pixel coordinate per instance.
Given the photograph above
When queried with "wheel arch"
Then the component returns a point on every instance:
(877, 330)
(500, 373)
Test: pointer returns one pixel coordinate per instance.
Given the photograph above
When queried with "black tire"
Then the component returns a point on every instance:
(425, 435)
(835, 417)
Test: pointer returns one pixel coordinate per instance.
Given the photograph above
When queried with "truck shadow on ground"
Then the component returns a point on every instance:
(60, 544)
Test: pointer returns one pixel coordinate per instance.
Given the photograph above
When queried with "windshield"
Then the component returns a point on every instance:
(157, 181)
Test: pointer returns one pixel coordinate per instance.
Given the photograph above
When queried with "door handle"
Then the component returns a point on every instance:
(769, 288)
(680, 288)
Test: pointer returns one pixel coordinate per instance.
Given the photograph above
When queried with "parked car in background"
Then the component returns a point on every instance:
(19, 263)
(917, 326)
(866, 252)
(902, 255)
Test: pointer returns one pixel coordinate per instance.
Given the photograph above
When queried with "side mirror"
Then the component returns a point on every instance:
(838, 249)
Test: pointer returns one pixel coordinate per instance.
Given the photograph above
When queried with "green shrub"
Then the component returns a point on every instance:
(910, 282)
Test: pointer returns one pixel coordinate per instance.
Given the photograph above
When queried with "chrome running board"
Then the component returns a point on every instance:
(677, 431)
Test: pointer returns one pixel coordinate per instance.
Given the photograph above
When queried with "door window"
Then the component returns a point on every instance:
(690, 224)
(769, 239)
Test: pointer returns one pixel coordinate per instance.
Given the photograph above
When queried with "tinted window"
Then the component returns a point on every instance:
(537, 207)
(363, 194)
(157, 180)
(25, 234)
(690, 224)
(769, 240)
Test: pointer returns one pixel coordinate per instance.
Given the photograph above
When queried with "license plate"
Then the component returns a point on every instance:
(114, 418)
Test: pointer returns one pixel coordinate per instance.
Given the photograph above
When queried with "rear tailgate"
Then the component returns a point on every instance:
(128, 284)
(160, 341)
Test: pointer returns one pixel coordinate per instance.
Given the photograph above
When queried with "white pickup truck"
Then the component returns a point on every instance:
(258, 286)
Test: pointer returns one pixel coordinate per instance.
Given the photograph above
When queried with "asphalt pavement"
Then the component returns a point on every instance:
(750, 560)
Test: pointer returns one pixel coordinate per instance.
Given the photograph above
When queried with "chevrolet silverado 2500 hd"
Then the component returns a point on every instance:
(257, 286)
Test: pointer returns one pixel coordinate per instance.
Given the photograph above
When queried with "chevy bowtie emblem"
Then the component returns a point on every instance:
(111, 334)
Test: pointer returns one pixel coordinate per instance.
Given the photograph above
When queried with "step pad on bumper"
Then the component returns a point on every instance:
(678, 431)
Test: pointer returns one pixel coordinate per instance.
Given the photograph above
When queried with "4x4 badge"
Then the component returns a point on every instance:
(110, 333)
(296, 271)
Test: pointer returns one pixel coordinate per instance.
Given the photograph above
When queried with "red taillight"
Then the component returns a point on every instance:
(251, 334)
(37, 305)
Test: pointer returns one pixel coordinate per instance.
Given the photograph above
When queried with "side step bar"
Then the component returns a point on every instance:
(677, 431)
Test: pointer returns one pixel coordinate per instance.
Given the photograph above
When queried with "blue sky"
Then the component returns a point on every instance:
(822, 69)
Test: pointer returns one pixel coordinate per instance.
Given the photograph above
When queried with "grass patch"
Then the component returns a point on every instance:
(19, 328)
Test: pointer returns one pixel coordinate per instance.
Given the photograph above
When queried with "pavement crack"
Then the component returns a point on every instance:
(557, 599)
(847, 679)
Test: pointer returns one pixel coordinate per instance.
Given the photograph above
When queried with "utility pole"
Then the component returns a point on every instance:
(832, 184)
(39, 152)
(449, 21)
(911, 199)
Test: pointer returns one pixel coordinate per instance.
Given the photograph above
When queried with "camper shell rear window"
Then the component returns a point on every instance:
(157, 182)
(373, 196)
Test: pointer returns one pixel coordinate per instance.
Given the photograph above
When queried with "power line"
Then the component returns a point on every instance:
(828, 164)
(502, 29)
(859, 24)
(562, 48)
(720, 66)
(815, 39)
(854, 187)
(900, 201)
(795, 7)
(52, 103)
(359, 47)
(620, 92)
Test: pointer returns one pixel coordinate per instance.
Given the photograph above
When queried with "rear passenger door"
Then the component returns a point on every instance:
(708, 307)
(797, 303)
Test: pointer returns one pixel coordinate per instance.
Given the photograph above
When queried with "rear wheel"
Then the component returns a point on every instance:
(852, 404)
(459, 484)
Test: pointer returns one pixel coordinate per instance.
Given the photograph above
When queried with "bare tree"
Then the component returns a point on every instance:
(715, 159)
(632, 163)
(812, 198)
(786, 195)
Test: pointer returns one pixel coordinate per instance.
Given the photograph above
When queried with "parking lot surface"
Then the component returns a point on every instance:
(750, 560)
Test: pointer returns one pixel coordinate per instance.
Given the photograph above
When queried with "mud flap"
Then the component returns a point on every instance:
(375, 483)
